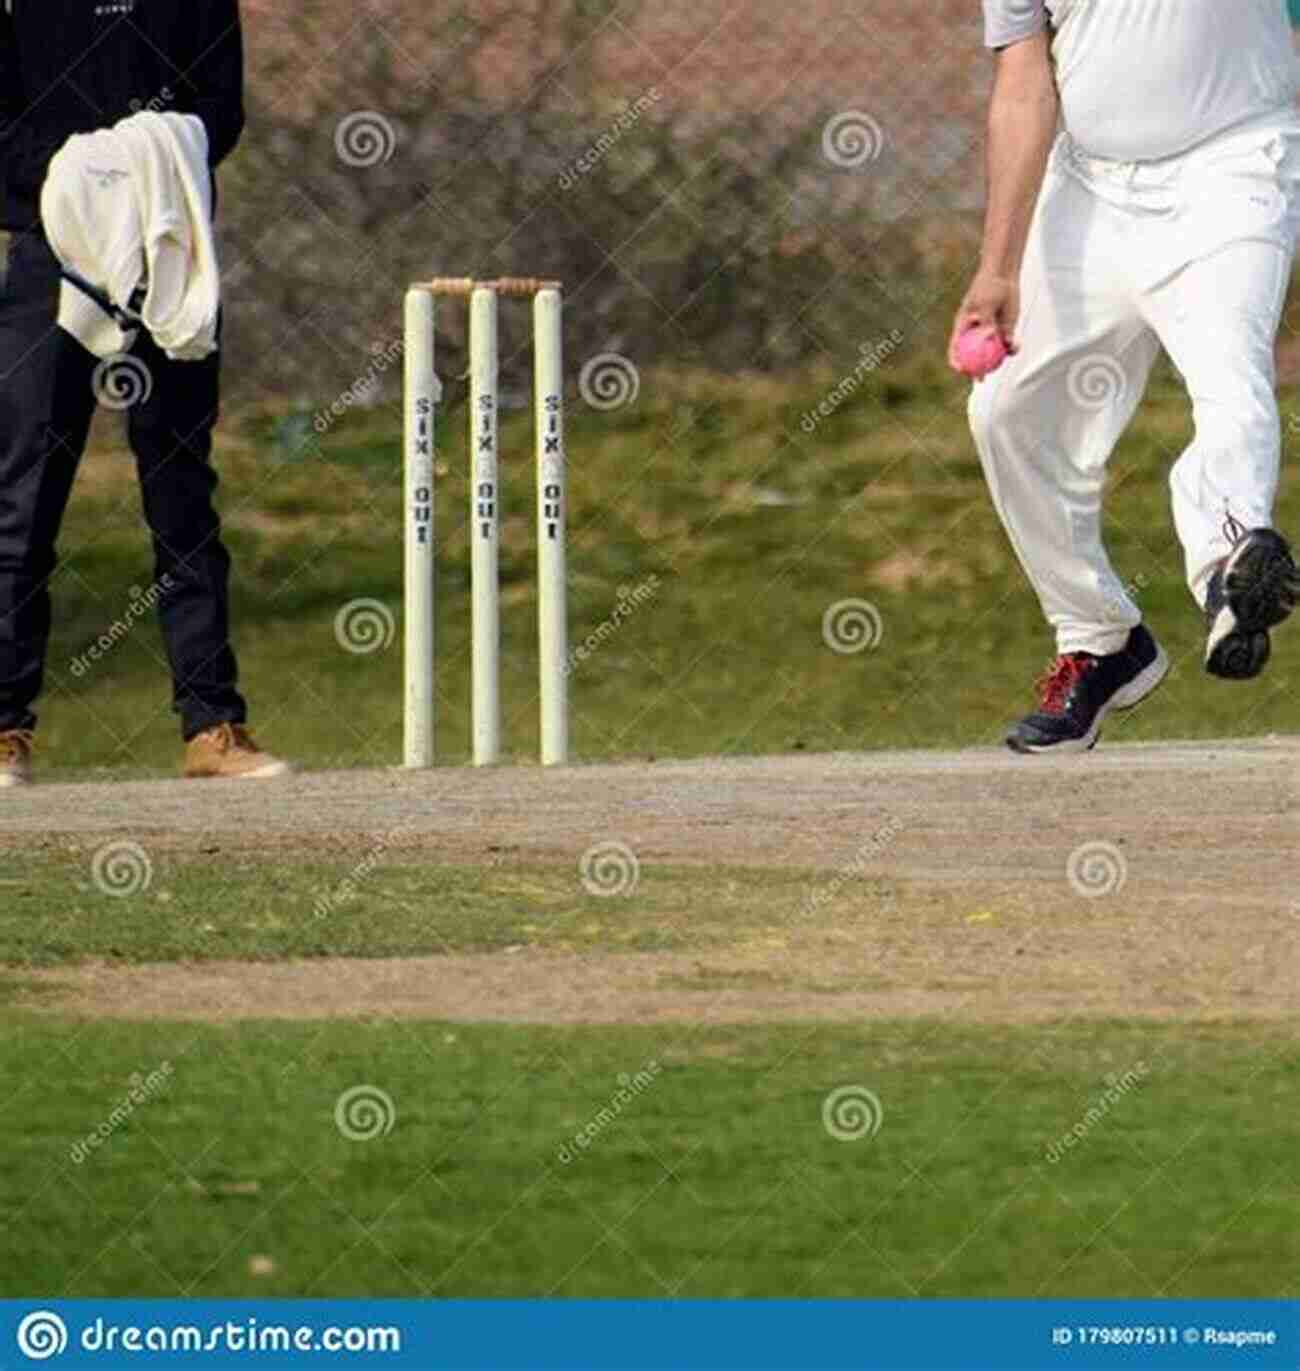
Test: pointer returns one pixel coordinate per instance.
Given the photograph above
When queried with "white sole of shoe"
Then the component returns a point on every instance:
(1128, 697)
(267, 772)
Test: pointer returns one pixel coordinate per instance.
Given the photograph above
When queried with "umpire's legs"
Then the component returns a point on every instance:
(46, 403)
(170, 431)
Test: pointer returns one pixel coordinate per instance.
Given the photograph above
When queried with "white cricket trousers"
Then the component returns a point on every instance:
(1193, 254)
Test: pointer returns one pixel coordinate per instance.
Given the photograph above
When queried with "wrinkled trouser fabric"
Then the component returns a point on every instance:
(1193, 254)
(47, 398)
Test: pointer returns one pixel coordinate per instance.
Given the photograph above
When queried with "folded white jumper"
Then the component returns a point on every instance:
(129, 209)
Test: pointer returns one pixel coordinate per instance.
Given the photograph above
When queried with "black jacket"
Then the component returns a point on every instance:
(72, 66)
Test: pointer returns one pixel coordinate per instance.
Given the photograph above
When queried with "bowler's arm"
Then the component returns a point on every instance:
(1022, 122)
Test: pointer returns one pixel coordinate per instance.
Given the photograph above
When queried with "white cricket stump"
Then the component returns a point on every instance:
(485, 589)
(422, 395)
(552, 499)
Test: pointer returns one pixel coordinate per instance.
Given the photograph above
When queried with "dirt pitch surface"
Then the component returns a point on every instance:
(1147, 881)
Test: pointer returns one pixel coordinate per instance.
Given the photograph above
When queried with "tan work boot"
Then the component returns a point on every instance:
(229, 750)
(15, 757)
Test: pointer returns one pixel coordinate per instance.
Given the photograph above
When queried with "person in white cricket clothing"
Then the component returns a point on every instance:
(1143, 192)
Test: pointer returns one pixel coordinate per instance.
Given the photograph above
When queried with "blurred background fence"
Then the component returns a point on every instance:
(737, 186)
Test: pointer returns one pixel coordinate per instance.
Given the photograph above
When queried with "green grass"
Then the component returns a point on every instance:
(207, 905)
(752, 527)
(717, 1178)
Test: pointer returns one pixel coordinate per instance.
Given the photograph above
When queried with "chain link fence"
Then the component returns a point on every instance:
(739, 187)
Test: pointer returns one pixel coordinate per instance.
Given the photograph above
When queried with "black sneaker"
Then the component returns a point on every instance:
(1252, 590)
(1080, 690)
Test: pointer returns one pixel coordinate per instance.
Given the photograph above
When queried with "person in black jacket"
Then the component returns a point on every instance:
(66, 67)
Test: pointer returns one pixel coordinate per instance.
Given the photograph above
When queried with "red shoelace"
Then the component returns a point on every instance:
(1055, 685)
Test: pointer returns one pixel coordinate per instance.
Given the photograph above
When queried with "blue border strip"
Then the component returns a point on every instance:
(647, 1335)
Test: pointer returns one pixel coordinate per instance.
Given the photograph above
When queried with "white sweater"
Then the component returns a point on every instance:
(131, 206)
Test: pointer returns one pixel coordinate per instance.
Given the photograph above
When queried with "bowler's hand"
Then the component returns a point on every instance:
(991, 302)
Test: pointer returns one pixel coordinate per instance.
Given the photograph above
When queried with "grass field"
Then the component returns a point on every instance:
(718, 1179)
(221, 1163)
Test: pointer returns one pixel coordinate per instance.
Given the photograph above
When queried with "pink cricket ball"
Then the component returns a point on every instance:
(980, 351)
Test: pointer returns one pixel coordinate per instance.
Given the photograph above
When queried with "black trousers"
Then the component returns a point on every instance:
(47, 399)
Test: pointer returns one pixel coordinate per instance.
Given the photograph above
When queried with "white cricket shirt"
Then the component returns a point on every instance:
(1145, 79)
